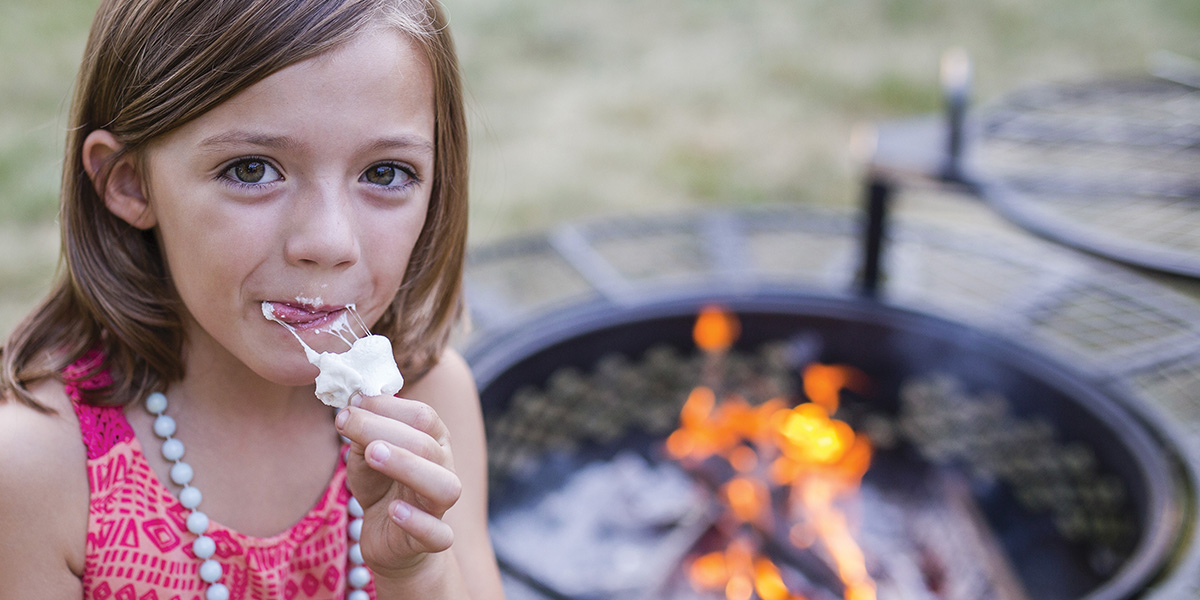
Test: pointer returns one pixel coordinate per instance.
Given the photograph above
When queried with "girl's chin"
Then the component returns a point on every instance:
(289, 371)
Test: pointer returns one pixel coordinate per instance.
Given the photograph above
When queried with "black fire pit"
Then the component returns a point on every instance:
(1081, 500)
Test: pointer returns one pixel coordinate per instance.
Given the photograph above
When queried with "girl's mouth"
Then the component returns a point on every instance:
(302, 317)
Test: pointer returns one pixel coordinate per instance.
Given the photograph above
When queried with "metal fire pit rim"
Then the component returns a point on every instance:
(502, 350)
(1015, 206)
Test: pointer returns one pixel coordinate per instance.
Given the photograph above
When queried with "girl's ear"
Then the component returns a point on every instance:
(121, 186)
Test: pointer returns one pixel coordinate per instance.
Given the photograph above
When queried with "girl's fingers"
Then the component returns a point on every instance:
(427, 532)
(362, 427)
(419, 415)
(401, 462)
(438, 487)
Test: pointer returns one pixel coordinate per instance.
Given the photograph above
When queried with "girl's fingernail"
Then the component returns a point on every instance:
(380, 452)
(401, 510)
(340, 419)
(356, 399)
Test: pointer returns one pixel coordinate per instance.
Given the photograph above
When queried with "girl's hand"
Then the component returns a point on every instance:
(400, 468)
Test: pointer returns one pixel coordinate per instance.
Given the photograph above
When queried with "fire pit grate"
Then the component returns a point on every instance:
(944, 423)
(1108, 166)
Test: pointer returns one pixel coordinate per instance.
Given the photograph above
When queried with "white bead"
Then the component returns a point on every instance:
(359, 577)
(164, 426)
(354, 508)
(356, 556)
(204, 547)
(197, 522)
(181, 473)
(358, 595)
(210, 571)
(217, 591)
(156, 403)
(355, 529)
(190, 497)
(172, 449)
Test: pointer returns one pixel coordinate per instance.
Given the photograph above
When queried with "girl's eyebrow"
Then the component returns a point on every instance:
(404, 142)
(242, 138)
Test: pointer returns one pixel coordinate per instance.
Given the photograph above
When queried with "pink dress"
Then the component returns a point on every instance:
(138, 545)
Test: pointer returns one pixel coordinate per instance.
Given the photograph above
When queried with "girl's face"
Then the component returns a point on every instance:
(307, 190)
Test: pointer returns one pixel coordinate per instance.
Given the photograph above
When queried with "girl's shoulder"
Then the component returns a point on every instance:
(447, 385)
(40, 446)
(43, 492)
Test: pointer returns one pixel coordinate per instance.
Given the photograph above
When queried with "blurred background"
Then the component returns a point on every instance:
(594, 108)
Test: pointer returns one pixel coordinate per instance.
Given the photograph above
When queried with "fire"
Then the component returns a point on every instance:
(817, 460)
(822, 383)
(807, 435)
(741, 573)
(715, 329)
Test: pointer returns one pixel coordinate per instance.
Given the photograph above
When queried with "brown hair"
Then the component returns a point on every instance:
(151, 66)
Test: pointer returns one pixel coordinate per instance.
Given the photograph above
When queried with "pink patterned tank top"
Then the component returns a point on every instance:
(138, 545)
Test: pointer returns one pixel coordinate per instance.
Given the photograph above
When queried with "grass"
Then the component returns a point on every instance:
(592, 108)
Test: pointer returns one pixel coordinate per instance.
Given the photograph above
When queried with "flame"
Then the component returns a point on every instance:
(709, 572)
(819, 460)
(768, 582)
(740, 572)
(749, 499)
(808, 436)
(715, 329)
(824, 383)
(818, 497)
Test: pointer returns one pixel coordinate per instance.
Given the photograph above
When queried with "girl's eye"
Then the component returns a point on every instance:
(252, 171)
(387, 175)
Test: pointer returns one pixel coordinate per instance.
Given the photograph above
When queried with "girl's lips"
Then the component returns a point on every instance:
(305, 317)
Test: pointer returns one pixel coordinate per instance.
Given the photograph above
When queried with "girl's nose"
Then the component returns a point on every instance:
(322, 230)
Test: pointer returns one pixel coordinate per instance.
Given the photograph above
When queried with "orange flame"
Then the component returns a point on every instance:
(818, 498)
(823, 383)
(768, 582)
(818, 459)
(740, 572)
(808, 436)
(749, 499)
(709, 572)
(715, 329)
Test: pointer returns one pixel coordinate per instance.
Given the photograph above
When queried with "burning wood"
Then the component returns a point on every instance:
(814, 459)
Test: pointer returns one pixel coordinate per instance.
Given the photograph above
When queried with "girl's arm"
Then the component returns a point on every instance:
(43, 499)
(423, 459)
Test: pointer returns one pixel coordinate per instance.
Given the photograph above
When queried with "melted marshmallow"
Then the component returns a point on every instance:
(367, 368)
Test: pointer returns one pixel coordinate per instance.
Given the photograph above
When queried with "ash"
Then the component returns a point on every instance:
(614, 529)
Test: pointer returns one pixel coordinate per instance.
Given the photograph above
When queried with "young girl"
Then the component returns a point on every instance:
(159, 438)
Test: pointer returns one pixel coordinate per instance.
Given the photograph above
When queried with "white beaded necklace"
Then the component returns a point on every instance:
(197, 522)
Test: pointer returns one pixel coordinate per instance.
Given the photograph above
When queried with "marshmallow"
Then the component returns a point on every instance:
(367, 368)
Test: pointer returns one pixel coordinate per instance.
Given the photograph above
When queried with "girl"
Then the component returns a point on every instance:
(223, 154)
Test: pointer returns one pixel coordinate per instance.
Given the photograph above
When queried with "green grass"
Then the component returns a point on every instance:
(41, 43)
(592, 108)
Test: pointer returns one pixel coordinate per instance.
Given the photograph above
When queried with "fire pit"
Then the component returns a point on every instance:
(1024, 400)
(997, 473)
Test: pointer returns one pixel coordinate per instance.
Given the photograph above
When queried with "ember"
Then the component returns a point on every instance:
(817, 460)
